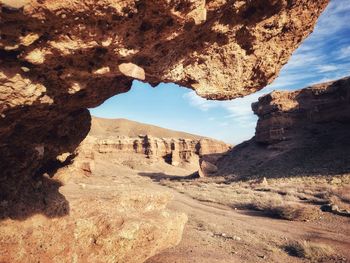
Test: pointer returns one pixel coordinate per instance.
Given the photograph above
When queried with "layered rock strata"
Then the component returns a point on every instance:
(286, 115)
(60, 57)
(299, 132)
(179, 152)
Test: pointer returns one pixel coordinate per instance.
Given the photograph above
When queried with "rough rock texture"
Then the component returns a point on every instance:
(300, 132)
(206, 168)
(222, 49)
(107, 217)
(59, 57)
(286, 115)
(175, 151)
(116, 140)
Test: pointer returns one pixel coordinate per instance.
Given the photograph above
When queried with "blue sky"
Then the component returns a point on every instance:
(323, 56)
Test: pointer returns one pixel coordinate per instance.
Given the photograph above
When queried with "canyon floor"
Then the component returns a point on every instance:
(132, 187)
(280, 219)
(220, 230)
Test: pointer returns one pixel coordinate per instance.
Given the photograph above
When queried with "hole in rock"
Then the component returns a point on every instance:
(173, 107)
(111, 187)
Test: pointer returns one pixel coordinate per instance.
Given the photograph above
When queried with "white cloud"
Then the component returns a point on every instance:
(325, 54)
(344, 53)
(334, 19)
(326, 68)
(238, 110)
(198, 102)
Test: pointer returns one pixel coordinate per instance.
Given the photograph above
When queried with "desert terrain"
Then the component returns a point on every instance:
(283, 219)
(256, 220)
(77, 188)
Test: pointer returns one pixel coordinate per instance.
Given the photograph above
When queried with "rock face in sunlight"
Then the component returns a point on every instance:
(58, 58)
(153, 146)
(284, 116)
(104, 219)
(300, 132)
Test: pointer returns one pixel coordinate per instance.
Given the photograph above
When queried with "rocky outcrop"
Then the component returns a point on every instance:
(103, 219)
(207, 168)
(299, 132)
(60, 57)
(140, 146)
(286, 115)
(222, 49)
(179, 152)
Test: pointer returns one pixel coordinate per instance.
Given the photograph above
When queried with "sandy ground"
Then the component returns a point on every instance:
(219, 233)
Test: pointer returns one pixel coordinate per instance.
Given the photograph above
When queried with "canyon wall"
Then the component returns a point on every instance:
(298, 132)
(286, 115)
(58, 58)
(145, 149)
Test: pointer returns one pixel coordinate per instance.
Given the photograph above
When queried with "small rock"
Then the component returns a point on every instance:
(63, 157)
(29, 39)
(102, 71)
(25, 69)
(132, 70)
(237, 238)
(14, 4)
(334, 208)
(36, 56)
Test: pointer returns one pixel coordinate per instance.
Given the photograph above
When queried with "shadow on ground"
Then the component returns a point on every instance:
(32, 197)
(326, 153)
(157, 177)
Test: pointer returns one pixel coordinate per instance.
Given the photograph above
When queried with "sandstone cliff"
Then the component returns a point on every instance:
(58, 58)
(116, 140)
(299, 132)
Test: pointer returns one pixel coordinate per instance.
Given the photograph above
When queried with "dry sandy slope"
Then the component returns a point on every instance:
(105, 128)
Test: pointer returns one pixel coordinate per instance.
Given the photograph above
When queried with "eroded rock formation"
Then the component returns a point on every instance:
(284, 116)
(106, 217)
(299, 132)
(174, 151)
(116, 141)
(58, 58)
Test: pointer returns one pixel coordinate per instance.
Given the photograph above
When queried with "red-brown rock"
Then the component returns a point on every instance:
(299, 132)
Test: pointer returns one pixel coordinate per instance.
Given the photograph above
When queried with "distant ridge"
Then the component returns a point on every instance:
(101, 127)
